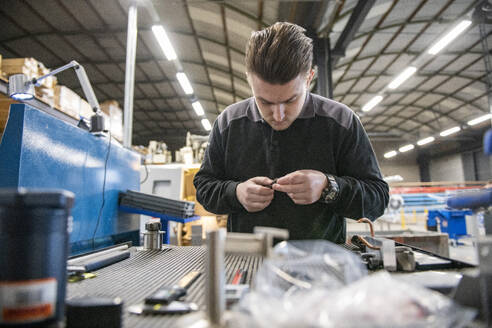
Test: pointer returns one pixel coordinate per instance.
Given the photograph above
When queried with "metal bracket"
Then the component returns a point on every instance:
(260, 242)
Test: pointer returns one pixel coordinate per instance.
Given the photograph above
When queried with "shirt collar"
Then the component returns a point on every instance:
(307, 110)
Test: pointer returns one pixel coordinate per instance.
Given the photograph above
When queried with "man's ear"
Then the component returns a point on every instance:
(310, 76)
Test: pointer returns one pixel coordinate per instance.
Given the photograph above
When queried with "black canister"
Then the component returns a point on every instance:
(33, 256)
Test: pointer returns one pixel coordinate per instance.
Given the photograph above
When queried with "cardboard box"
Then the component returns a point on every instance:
(67, 101)
(85, 110)
(115, 118)
(27, 66)
(47, 95)
(49, 82)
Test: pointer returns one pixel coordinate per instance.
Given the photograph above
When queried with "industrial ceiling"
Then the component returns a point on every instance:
(372, 41)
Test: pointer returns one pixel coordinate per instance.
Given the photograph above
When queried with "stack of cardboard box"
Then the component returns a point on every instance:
(113, 115)
(67, 101)
(26, 66)
(46, 89)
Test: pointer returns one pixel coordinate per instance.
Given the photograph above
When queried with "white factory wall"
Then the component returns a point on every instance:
(409, 172)
(404, 165)
(447, 168)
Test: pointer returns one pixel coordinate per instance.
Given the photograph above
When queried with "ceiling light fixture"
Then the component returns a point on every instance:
(480, 119)
(448, 132)
(425, 141)
(390, 154)
(164, 42)
(406, 148)
(198, 108)
(372, 103)
(450, 36)
(206, 124)
(185, 83)
(409, 71)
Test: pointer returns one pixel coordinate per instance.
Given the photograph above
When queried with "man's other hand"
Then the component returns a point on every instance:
(255, 194)
(303, 187)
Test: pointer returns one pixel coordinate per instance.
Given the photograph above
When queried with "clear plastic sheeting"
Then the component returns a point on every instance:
(319, 284)
(300, 266)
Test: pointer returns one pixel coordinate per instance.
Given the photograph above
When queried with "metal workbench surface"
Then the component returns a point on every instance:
(145, 271)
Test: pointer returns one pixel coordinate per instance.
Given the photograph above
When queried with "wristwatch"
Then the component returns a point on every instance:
(330, 193)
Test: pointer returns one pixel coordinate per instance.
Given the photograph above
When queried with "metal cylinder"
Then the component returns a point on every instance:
(153, 235)
(215, 287)
(33, 256)
(131, 53)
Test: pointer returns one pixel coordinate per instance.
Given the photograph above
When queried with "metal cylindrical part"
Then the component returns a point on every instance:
(152, 239)
(131, 53)
(33, 256)
(215, 287)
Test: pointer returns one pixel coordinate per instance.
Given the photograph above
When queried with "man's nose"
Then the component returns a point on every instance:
(278, 112)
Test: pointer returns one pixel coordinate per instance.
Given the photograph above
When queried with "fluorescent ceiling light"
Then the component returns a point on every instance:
(206, 124)
(453, 34)
(198, 108)
(372, 103)
(390, 154)
(184, 82)
(447, 132)
(425, 141)
(163, 40)
(480, 119)
(406, 148)
(409, 71)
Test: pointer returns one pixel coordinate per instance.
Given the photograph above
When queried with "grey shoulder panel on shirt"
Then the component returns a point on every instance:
(235, 111)
(339, 112)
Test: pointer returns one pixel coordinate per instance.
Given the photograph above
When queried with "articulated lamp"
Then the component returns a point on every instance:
(21, 88)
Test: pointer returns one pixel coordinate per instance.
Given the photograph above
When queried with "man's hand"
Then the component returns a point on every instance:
(254, 194)
(303, 187)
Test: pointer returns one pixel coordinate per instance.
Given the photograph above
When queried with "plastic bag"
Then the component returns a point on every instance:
(320, 284)
(290, 283)
(382, 301)
(298, 266)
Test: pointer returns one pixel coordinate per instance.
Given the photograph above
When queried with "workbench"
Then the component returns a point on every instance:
(146, 270)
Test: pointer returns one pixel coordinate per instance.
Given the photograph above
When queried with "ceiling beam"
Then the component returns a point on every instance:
(355, 21)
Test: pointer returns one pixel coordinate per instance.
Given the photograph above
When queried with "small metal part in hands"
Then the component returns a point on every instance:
(271, 184)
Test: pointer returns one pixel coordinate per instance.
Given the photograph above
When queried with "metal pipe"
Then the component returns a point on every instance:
(76, 260)
(215, 288)
(131, 50)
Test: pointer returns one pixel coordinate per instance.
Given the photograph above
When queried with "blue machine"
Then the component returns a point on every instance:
(452, 222)
(475, 288)
(41, 151)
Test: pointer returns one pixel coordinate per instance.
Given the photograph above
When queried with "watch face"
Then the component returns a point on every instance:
(331, 191)
(331, 195)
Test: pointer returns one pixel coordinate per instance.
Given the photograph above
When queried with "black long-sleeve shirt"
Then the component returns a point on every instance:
(327, 136)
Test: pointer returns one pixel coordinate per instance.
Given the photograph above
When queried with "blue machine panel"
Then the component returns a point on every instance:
(41, 151)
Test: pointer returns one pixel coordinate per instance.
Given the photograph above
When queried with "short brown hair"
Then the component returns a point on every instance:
(279, 53)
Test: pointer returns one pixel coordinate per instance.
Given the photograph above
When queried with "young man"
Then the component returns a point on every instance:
(287, 158)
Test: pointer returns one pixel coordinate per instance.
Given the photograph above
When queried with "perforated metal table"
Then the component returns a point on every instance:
(137, 277)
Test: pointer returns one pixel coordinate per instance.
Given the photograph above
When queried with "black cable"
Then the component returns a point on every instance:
(146, 173)
(103, 191)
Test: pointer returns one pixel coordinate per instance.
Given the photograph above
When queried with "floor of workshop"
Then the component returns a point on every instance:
(464, 250)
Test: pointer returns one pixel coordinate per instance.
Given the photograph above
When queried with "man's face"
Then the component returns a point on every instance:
(280, 104)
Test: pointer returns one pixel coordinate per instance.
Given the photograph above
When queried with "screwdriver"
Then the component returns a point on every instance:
(167, 294)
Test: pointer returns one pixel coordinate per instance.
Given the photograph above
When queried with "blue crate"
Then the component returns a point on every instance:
(452, 222)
